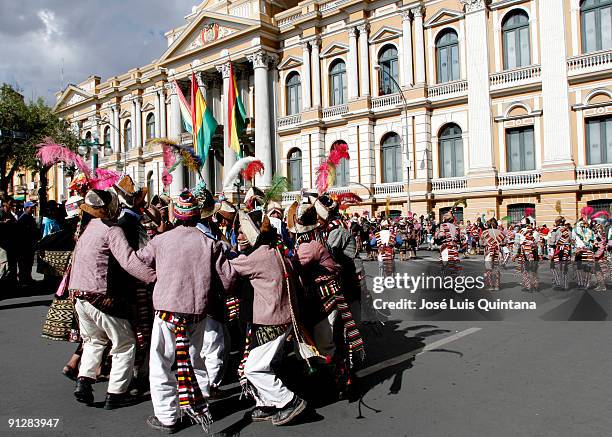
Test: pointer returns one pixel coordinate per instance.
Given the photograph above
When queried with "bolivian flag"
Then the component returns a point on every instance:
(236, 114)
(203, 121)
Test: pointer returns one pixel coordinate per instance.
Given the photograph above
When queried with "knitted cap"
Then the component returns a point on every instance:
(186, 206)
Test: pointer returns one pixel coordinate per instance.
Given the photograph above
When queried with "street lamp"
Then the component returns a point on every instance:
(377, 67)
(94, 147)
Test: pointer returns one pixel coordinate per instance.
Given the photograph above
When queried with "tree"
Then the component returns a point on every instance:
(23, 125)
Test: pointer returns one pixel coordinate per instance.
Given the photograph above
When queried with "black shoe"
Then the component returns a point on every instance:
(83, 392)
(119, 400)
(289, 411)
(139, 386)
(154, 423)
(261, 414)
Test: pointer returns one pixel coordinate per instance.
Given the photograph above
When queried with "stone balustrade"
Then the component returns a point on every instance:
(448, 88)
(385, 101)
(449, 184)
(290, 120)
(594, 174)
(520, 179)
(393, 189)
(590, 62)
(335, 111)
(515, 76)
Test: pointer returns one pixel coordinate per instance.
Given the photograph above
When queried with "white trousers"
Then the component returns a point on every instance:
(162, 379)
(271, 392)
(214, 350)
(324, 335)
(97, 328)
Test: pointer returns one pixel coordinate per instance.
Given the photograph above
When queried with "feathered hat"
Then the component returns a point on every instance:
(586, 213)
(254, 199)
(302, 217)
(529, 217)
(325, 206)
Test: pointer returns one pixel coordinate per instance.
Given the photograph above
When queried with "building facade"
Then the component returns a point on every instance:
(507, 103)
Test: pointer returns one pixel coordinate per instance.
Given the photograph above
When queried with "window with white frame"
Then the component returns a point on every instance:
(294, 169)
(516, 41)
(388, 73)
(391, 153)
(451, 152)
(127, 135)
(150, 126)
(294, 93)
(337, 83)
(447, 56)
(343, 174)
(599, 140)
(520, 149)
(596, 21)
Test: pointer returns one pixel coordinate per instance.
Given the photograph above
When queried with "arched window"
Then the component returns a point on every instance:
(127, 135)
(107, 136)
(343, 171)
(599, 140)
(447, 55)
(294, 94)
(520, 149)
(596, 19)
(337, 83)
(150, 126)
(515, 30)
(387, 59)
(294, 169)
(391, 149)
(451, 152)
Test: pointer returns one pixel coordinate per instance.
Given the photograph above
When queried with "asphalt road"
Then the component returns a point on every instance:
(423, 378)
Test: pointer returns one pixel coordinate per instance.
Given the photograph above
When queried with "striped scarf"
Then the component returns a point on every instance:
(191, 400)
(563, 246)
(332, 298)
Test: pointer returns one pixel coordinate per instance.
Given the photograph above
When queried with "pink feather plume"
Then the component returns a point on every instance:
(253, 168)
(166, 179)
(50, 153)
(323, 175)
(104, 179)
(599, 214)
(338, 152)
(587, 211)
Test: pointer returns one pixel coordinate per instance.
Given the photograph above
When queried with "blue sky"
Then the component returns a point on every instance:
(41, 38)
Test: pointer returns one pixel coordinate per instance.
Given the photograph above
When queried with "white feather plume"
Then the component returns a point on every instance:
(234, 173)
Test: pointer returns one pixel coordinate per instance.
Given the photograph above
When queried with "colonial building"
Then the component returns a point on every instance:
(507, 103)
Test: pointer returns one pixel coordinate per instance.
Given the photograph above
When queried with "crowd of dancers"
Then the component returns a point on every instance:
(158, 286)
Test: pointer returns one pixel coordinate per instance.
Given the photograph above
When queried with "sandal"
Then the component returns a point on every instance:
(70, 373)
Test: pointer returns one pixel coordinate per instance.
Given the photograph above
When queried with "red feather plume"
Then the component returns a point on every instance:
(601, 214)
(348, 198)
(529, 212)
(253, 168)
(338, 152)
(587, 211)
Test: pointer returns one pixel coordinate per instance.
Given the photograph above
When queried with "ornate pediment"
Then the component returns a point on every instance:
(125, 114)
(148, 107)
(385, 33)
(72, 95)
(290, 62)
(334, 49)
(205, 29)
(443, 16)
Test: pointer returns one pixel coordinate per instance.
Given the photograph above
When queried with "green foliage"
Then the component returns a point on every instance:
(37, 121)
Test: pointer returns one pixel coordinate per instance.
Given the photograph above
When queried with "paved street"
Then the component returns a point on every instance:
(422, 378)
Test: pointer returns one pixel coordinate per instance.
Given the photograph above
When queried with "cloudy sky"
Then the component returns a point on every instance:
(39, 38)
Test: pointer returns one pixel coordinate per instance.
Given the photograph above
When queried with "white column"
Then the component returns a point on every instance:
(133, 123)
(353, 85)
(263, 140)
(408, 76)
(419, 43)
(158, 119)
(117, 131)
(479, 101)
(229, 156)
(364, 59)
(555, 91)
(306, 102)
(138, 115)
(162, 113)
(315, 44)
(175, 133)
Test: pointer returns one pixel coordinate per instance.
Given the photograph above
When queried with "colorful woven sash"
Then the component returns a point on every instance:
(191, 400)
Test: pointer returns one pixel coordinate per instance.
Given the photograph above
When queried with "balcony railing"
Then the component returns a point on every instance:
(290, 196)
(521, 179)
(388, 100)
(289, 120)
(449, 184)
(444, 89)
(326, 6)
(287, 21)
(594, 174)
(515, 76)
(590, 62)
(338, 190)
(335, 111)
(392, 189)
